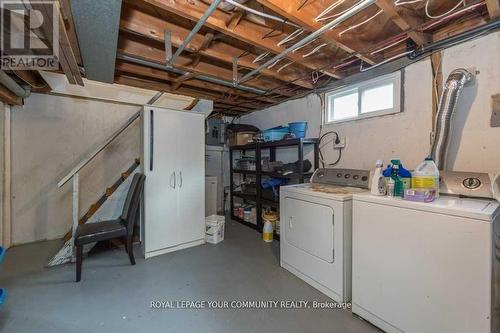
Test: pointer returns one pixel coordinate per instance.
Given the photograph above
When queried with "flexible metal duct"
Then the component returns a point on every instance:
(447, 105)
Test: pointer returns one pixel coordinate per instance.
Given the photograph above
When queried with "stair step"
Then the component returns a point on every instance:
(110, 191)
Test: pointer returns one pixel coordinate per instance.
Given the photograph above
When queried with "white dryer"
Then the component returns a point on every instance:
(315, 222)
(425, 267)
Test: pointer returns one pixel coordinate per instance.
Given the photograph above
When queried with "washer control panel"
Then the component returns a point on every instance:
(342, 177)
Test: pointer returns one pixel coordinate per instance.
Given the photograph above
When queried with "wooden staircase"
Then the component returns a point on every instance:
(109, 191)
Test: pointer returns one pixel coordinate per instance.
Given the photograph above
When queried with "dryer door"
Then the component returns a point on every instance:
(309, 227)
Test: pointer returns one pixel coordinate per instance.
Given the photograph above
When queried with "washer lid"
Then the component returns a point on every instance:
(464, 207)
(331, 192)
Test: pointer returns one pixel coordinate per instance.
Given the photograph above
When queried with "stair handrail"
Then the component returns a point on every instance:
(106, 143)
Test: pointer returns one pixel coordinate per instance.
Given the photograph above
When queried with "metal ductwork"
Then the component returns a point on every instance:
(97, 26)
(13, 86)
(205, 78)
(447, 105)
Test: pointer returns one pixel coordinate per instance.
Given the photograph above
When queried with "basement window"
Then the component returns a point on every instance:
(375, 97)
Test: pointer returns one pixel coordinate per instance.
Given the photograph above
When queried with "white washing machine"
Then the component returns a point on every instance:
(425, 267)
(315, 223)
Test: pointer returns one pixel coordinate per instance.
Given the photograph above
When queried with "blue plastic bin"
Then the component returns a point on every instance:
(298, 128)
(275, 133)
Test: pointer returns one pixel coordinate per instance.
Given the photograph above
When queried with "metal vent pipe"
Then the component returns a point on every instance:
(206, 78)
(447, 105)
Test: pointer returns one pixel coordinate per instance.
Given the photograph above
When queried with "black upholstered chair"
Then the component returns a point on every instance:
(122, 227)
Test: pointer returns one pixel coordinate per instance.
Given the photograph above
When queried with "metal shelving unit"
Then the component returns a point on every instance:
(258, 147)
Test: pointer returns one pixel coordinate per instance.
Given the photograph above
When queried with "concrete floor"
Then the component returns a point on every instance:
(115, 297)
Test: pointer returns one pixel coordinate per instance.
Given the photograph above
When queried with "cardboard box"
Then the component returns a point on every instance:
(241, 138)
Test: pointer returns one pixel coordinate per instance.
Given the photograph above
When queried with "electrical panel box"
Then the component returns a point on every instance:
(215, 135)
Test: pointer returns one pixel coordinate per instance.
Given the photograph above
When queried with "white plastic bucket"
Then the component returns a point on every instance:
(214, 229)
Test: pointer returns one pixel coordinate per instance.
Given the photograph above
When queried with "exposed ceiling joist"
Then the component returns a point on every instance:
(305, 17)
(66, 57)
(246, 31)
(493, 8)
(69, 24)
(151, 27)
(67, 53)
(406, 22)
(188, 76)
(186, 80)
(137, 48)
(165, 87)
(221, 103)
(235, 19)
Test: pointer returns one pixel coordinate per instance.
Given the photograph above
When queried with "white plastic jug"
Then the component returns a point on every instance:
(267, 232)
(426, 176)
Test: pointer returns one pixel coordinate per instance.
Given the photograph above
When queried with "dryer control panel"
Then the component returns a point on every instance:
(342, 177)
(469, 184)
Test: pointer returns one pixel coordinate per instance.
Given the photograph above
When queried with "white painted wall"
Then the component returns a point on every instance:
(406, 135)
(52, 133)
(475, 145)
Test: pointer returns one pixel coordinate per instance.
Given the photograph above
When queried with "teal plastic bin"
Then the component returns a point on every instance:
(275, 133)
(298, 128)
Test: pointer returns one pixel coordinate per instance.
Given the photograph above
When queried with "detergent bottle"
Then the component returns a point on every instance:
(426, 176)
(403, 173)
(398, 180)
(378, 185)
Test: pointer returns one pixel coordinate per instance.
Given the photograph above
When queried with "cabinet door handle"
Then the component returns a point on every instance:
(180, 179)
(151, 139)
(172, 185)
(290, 224)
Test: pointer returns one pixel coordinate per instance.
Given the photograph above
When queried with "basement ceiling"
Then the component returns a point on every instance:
(240, 36)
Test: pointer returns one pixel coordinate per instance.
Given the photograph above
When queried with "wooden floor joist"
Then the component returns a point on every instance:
(144, 71)
(139, 48)
(305, 18)
(493, 8)
(150, 27)
(236, 40)
(405, 22)
(246, 31)
(183, 90)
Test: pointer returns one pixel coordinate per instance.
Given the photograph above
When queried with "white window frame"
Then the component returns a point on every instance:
(395, 78)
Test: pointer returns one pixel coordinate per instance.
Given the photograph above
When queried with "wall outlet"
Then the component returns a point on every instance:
(341, 144)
